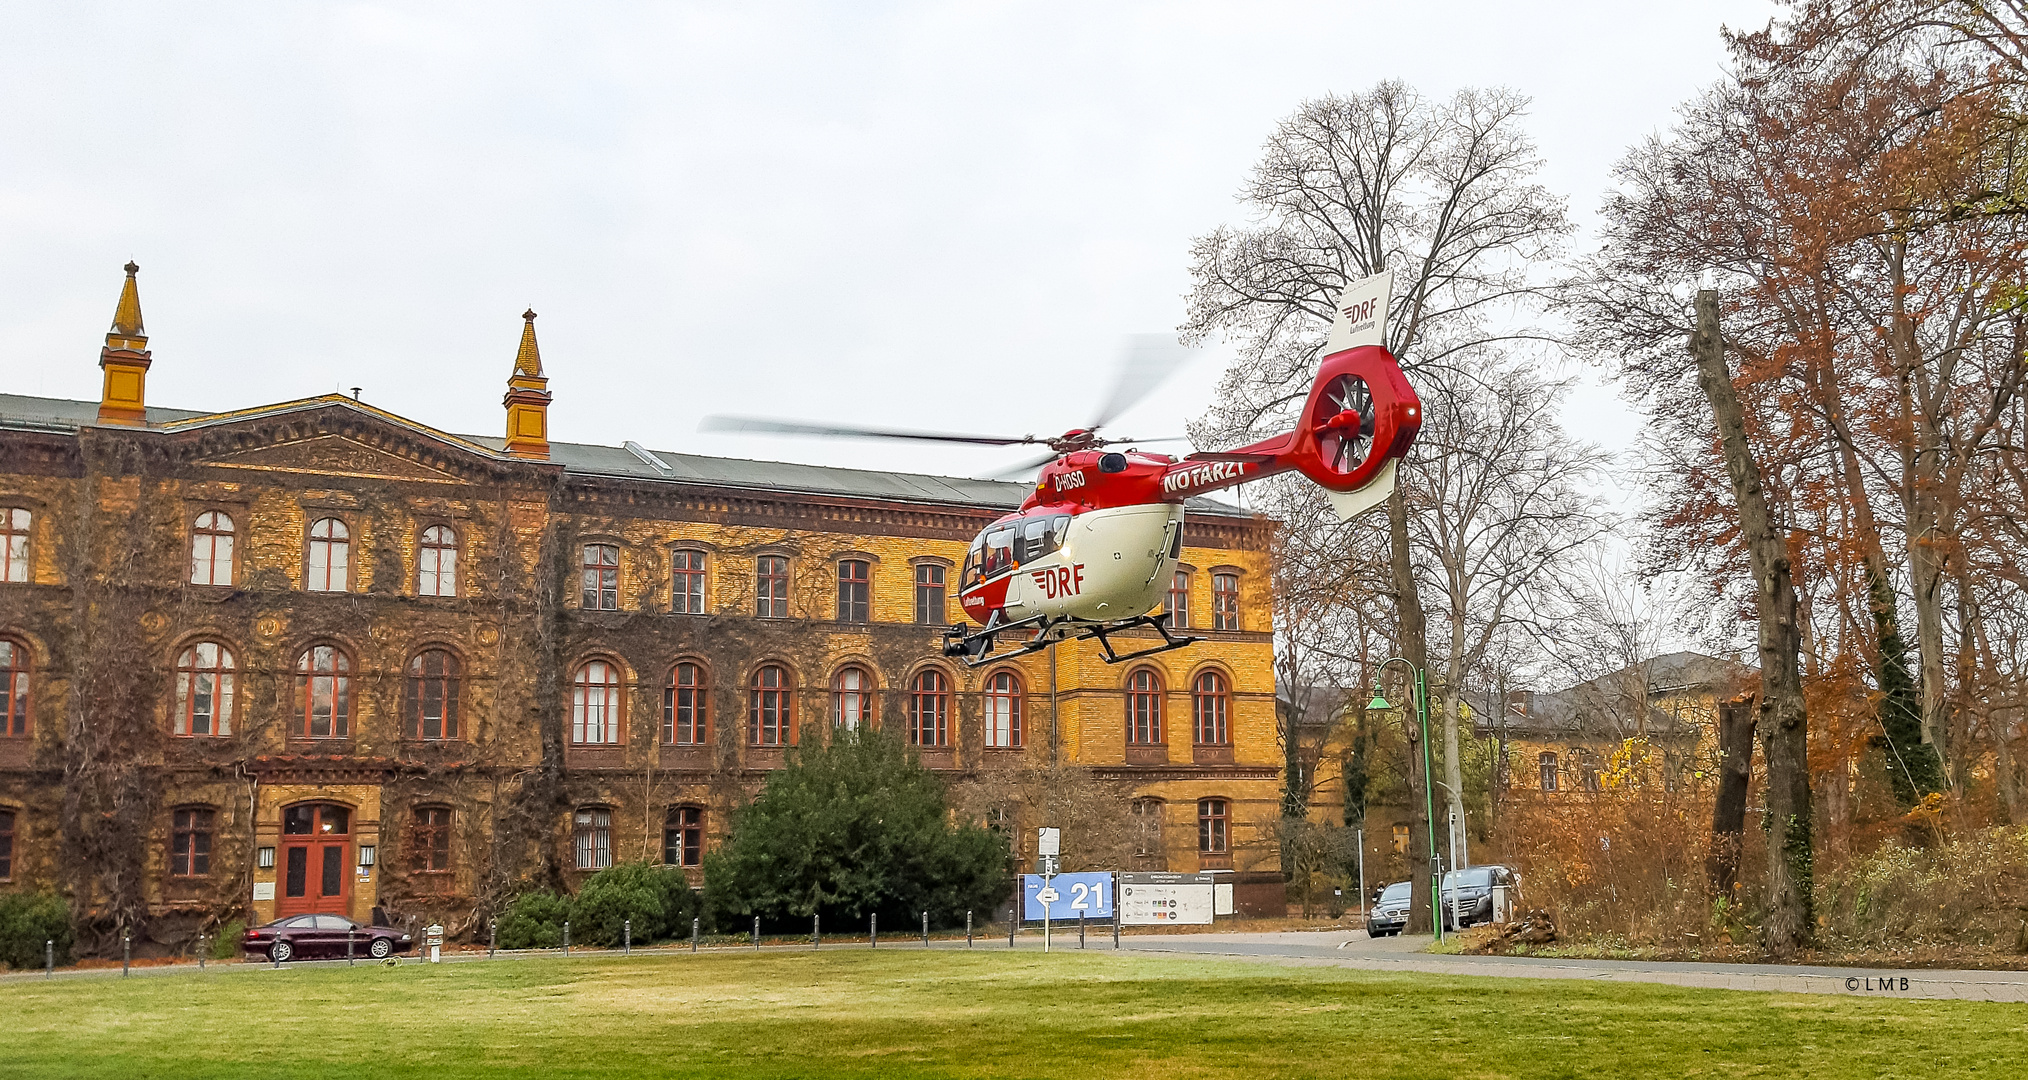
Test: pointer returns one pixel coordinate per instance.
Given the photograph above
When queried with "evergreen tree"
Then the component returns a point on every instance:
(849, 828)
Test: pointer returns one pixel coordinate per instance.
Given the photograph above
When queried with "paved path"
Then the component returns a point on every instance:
(1354, 949)
(1337, 948)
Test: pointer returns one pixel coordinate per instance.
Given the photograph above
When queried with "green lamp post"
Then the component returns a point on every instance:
(1419, 693)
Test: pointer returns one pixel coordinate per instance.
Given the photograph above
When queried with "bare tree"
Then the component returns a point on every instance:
(1441, 193)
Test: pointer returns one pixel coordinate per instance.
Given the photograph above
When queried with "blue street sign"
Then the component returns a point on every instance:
(1090, 895)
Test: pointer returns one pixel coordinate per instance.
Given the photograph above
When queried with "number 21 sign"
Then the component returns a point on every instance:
(1090, 895)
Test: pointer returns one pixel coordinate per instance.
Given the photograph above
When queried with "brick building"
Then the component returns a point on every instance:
(316, 656)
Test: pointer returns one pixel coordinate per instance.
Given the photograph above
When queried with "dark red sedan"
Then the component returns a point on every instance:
(322, 937)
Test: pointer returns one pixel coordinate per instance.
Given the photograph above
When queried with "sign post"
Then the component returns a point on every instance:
(1048, 846)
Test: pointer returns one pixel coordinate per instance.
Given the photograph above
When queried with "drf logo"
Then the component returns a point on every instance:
(1059, 580)
(1070, 480)
(1361, 311)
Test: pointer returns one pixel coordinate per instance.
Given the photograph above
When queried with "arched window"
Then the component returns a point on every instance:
(686, 595)
(1144, 708)
(1209, 703)
(14, 543)
(852, 698)
(211, 549)
(1213, 822)
(323, 697)
(1546, 763)
(13, 689)
(683, 836)
(437, 562)
(1179, 599)
(1003, 709)
(432, 695)
(601, 578)
(1147, 828)
(1225, 601)
(6, 845)
(855, 590)
(773, 706)
(684, 713)
(929, 594)
(929, 709)
(429, 840)
(330, 556)
(771, 587)
(190, 842)
(205, 678)
(595, 704)
(591, 837)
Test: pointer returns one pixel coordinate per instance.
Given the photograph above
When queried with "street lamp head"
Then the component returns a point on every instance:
(1378, 702)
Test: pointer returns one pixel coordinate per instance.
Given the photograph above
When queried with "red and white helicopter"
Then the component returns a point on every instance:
(1092, 549)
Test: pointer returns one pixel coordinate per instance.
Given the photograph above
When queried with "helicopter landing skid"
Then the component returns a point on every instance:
(976, 648)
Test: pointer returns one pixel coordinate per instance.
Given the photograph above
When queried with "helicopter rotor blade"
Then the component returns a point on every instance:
(1145, 362)
(1017, 472)
(753, 425)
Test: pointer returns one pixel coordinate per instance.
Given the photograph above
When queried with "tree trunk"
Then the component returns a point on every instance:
(1783, 721)
(1414, 649)
(1728, 814)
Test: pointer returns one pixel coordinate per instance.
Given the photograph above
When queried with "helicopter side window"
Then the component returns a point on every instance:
(1059, 527)
(1036, 540)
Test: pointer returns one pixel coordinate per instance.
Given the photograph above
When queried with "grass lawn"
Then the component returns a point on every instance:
(1093, 1016)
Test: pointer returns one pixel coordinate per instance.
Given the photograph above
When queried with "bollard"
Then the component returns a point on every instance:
(49, 958)
(816, 931)
(126, 953)
(271, 956)
(566, 938)
(627, 938)
(200, 952)
(756, 933)
(925, 929)
(1011, 924)
(873, 931)
(968, 928)
(492, 936)
(694, 924)
(1116, 927)
(349, 932)
(1080, 929)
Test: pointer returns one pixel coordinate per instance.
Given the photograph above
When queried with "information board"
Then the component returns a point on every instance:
(1165, 899)
(1090, 895)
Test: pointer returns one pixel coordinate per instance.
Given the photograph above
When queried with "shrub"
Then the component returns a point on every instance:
(27, 920)
(849, 828)
(1967, 890)
(225, 943)
(657, 898)
(534, 921)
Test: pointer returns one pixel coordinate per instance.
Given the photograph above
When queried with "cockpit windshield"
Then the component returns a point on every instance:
(1010, 544)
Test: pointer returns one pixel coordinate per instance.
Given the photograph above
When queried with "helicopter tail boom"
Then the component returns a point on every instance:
(1360, 418)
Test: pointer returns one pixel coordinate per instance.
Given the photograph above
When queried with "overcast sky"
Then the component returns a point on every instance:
(937, 215)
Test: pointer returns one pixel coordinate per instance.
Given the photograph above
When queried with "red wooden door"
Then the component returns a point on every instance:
(316, 846)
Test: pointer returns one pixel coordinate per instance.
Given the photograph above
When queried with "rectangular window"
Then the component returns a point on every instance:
(592, 839)
(13, 543)
(1211, 826)
(190, 844)
(601, 578)
(683, 837)
(330, 556)
(430, 841)
(1547, 766)
(687, 595)
(929, 594)
(771, 587)
(6, 845)
(1179, 599)
(855, 586)
(1225, 601)
(1401, 839)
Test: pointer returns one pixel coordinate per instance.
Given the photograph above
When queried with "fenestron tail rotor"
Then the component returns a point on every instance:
(1345, 424)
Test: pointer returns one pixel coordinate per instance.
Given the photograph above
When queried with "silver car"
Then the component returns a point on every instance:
(1390, 913)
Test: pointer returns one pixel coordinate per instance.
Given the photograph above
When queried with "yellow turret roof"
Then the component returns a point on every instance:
(529, 360)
